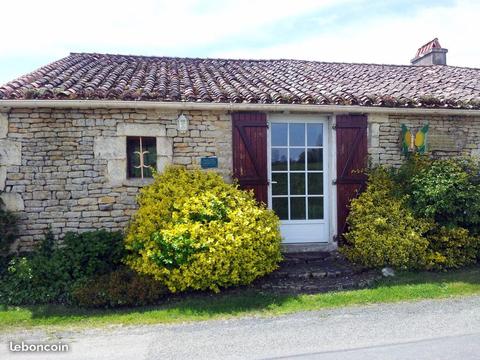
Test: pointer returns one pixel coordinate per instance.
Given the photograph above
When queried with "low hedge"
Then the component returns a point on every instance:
(424, 214)
(48, 274)
(119, 288)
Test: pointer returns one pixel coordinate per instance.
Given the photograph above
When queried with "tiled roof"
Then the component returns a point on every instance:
(97, 76)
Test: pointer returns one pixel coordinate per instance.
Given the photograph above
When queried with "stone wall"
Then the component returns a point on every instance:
(67, 168)
(448, 136)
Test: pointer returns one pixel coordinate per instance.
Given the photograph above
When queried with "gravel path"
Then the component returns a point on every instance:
(437, 329)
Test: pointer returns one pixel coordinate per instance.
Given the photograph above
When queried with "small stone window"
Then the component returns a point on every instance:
(141, 156)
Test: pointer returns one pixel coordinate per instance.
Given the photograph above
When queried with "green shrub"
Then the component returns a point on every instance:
(122, 287)
(36, 279)
(452, 248)
(448, 191)
(382, 229)
(402, 176)
(194, 231)
(47, 245)
(92, 253)
(8, 234)
(387, 222)
(16, 284)
(48, 274)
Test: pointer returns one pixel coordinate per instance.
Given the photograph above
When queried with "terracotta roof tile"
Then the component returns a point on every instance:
(99, 76)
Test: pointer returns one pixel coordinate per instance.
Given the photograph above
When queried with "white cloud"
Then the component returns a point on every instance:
(34, 30)
(390, 40)
(145, 26)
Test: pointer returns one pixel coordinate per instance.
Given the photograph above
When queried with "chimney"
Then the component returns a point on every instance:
(431, 53)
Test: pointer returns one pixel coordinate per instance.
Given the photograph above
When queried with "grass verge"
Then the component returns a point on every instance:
(405, 287)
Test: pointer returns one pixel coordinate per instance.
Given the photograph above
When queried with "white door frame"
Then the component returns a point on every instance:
(327, 169)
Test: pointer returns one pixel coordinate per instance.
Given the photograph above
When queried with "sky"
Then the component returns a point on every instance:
(35, 33)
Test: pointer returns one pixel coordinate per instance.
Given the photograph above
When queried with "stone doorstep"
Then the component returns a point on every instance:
(307, 256)
(315, 272)
(319, 285)
(314, 265)
(310, 273)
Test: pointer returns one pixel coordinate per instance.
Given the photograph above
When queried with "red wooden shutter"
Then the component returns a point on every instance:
(250, 152)
(352, 155)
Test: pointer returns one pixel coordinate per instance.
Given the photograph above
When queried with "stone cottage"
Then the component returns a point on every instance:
(80, 136)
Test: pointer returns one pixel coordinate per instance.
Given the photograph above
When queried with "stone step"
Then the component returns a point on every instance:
(312, 273)
(318, 285)
(306, 256)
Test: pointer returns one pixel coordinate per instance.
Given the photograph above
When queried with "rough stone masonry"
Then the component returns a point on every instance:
(66, 168)
(448, 136)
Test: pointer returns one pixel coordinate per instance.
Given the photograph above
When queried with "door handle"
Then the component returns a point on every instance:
(273, 182)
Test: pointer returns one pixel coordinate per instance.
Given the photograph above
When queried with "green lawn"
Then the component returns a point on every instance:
(405, 287)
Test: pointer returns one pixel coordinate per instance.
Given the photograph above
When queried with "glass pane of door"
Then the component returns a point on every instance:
(297, 134)
(297, 170)
(280, 206)
(297, 208)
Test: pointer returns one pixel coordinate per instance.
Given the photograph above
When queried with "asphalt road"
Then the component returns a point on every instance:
(441, 329)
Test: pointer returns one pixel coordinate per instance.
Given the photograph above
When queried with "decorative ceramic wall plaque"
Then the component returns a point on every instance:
(414, 142)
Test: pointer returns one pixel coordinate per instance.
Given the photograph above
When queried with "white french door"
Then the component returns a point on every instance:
(298, 178)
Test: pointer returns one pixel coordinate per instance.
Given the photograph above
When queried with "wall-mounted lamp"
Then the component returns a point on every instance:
(182, 123)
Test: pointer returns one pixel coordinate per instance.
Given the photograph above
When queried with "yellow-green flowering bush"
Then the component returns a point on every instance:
(411, 217)
(194, 231)
(382, 229)
(452, 248)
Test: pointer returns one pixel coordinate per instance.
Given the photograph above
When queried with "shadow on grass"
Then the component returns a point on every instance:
(193, 304)
(204, 305)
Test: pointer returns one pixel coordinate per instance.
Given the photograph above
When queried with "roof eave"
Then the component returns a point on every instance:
(185, 106)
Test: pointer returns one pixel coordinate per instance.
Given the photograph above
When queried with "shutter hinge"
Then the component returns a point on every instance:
(334, 127)
(334, 182)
